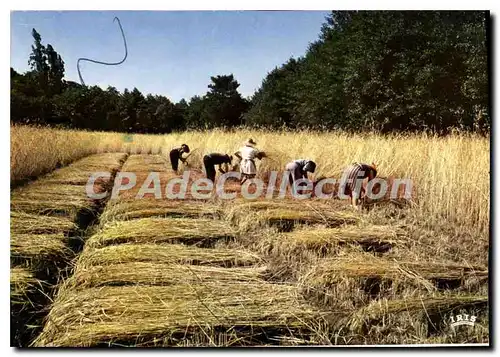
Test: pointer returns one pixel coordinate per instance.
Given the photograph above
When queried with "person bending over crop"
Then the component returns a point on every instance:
(247, 155)
(298, 169)
(210, 160)
(354, 178)
(176, 155)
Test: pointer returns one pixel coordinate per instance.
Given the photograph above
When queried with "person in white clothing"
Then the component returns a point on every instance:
(247, 155)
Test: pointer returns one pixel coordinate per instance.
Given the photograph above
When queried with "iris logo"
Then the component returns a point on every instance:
(462, 319)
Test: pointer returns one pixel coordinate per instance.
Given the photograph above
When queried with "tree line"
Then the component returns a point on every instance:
(368, 70)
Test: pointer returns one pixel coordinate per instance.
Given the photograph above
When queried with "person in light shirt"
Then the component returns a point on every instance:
(247, 155)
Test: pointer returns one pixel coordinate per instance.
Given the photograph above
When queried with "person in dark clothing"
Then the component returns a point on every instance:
(176, 155)
(298, 169)
(210, 160)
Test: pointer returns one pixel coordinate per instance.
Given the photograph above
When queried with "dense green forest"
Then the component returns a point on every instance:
(368, 70)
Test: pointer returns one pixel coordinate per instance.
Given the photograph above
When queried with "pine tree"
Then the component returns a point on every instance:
(38, 61)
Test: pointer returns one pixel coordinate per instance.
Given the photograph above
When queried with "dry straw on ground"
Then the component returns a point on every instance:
(80, 171)
(430, 305)
(48, 196)
(166, 254)
(148, 208)
(147, 273)
(146, 163)
(22, 282)
(37, 224)
(47, 199)
(51, 199)
(155, 230)
(362, 266)
(42, 248)
(133, 314)
(288, 211)
(40, 189)
(72, 176)
(51, 206)
(367, 236)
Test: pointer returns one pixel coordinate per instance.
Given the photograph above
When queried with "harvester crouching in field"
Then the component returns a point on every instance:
(176, 155)
(298, 169)
(210, 160)
(247, 155)
(353, 180)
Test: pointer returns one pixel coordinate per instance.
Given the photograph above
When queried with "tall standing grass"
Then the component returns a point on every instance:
(36, 150)
(450, 174)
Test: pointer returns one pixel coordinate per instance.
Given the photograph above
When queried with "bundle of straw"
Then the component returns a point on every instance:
(94, 316)
(323, 237)
(36, 224)
(148, 273)
(46, 205)
(43, 248)
(166, 254)
(376, 310)
(22, 281)
(144, 208)
(153, 230)
(75, 176)
(330, 271)
(42, 189)
(276, 211)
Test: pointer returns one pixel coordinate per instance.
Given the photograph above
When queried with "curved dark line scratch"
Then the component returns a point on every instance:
(105, 63)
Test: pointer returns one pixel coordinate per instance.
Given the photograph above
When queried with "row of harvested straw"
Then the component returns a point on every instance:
(44, 213)
(44, 219)
(332, 270)
(285, 214)
(22, 282)
(166, 254)
(128, 209)
(142, 291)
(202, 231)
(156, 269)
(133, 314)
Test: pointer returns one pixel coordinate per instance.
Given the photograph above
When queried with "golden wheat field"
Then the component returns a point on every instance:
(210, 272)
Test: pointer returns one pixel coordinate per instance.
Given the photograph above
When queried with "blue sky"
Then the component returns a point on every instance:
(169, 53)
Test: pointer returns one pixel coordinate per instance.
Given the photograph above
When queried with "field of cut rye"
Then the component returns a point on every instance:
(209, 272)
